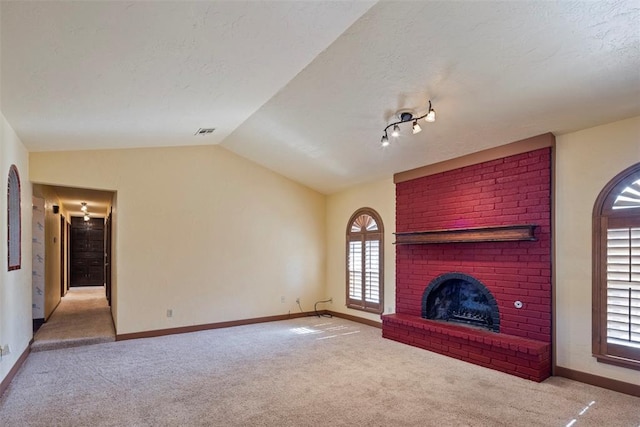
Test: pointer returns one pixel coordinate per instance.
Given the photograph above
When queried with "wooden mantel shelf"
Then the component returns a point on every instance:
(504, 233)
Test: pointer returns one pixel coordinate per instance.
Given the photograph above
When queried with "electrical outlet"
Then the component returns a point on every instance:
(169, 312)
(4, 351)
(298, 300)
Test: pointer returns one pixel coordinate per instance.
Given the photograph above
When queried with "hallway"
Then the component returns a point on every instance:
(83, 317)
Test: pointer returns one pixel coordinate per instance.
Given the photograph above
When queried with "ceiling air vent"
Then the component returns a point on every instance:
(204, 131)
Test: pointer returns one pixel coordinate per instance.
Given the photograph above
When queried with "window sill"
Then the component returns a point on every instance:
(618, 361)
(365, 309)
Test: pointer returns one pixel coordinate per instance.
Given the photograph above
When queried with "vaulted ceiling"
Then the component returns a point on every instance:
(306, 88)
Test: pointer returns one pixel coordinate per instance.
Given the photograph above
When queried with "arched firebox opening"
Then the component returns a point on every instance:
(460, 298)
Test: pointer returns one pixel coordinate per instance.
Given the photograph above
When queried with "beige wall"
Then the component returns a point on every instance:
(15, 286)
(201, 231)
(585, 162)
(381, 197)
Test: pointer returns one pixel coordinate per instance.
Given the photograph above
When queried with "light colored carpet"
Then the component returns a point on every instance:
(83, 317)
(298, 372)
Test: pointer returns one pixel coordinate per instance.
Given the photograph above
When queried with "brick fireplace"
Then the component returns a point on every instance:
(483, 231)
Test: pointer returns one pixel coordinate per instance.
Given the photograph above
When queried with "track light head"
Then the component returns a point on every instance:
(431, 115)
(396, 131)
(416, 127)
(385, 140)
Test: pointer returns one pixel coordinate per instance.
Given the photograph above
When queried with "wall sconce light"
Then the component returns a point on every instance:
(407, 117)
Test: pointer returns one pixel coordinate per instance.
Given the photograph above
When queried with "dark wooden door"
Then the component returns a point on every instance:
(87, 252)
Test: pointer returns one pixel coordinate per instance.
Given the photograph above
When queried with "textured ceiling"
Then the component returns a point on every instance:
(112, 74)
(305, 88)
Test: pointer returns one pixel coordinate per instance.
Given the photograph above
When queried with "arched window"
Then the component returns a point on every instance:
(365, 245)
(616, 271)
(14, 226)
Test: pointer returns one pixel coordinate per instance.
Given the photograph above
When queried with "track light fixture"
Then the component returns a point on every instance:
(406, 117)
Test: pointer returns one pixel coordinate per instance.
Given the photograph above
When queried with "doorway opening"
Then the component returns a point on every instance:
(76, 247)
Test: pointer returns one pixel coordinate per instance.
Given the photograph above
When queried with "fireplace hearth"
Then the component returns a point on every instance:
(460, 298)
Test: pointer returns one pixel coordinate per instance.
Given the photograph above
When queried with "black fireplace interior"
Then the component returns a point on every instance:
(460, 298)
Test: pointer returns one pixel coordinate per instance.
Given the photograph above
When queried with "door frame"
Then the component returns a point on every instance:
(68, 263)
(63, 228)
(107, 256)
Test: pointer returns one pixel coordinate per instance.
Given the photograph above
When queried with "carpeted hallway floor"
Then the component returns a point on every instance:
(298, 372)
(83, 317)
